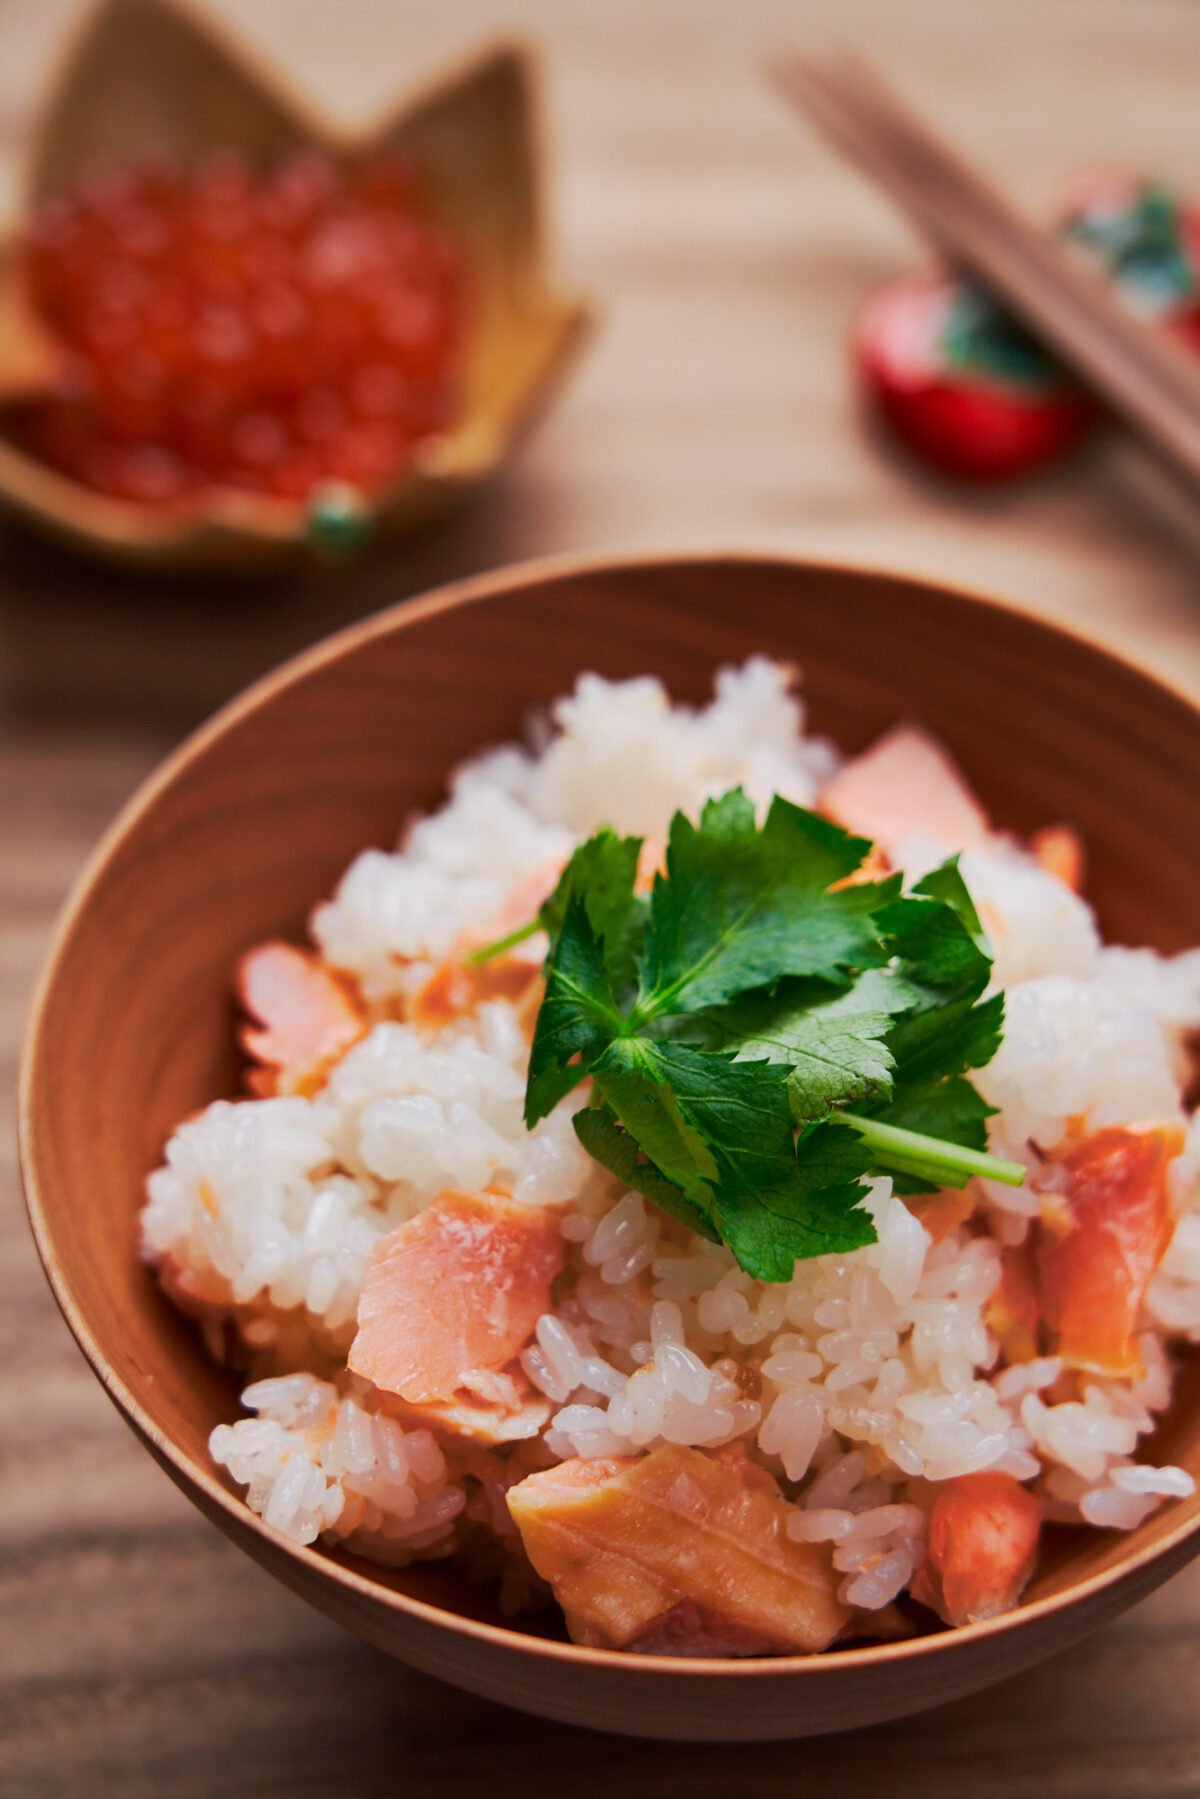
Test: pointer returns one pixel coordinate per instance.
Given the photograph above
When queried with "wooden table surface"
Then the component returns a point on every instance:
(139, 1652)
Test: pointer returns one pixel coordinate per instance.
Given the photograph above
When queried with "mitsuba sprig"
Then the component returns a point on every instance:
(766, 1028)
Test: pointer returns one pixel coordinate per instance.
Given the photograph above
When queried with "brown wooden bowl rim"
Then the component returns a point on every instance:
(474, 590)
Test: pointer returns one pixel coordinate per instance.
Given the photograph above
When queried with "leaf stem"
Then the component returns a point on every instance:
(502, 945)
(932, 1158)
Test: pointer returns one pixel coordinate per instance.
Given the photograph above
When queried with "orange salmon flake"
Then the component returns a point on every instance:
(676, 1551)
(453, 1295)
(1059, 850)
(456, 989)
(1100, 1242)
(1013, 1313)
(905, 785)
(983, 1538)
(307, 1017)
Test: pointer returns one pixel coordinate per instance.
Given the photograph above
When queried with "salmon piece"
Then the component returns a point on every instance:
(942, 1212)
(905, 785)
(1013, 1314)
(453, 1295)
(307, 1018)
(252, 1335)
(1059, 850)
(1100, 1241)
(199, 1292)
(522, 903)
(691, 1629)
(652, 860)
(526, 899)
(983, 1538)
(455, 989)
(510, 1412)
(736, 1457)
(886, 1624)
(676, 1552)
(873, 867)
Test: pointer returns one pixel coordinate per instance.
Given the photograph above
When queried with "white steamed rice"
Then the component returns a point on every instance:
(863, 1373)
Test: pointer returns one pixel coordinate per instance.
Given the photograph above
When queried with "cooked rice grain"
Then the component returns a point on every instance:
(864, 1372)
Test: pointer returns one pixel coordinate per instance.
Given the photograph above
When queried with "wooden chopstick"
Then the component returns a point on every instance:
(937, 161)
(970, 218)
(1142, 374)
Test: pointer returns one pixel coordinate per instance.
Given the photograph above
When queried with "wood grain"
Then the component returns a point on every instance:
(142, 1653)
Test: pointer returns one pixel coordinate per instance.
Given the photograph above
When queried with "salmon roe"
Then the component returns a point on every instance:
(232, 330)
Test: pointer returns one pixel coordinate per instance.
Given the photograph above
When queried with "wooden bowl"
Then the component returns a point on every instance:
(252, 821)
(147, 80)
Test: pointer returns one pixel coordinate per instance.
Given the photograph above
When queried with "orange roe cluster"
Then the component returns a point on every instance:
(233, 330)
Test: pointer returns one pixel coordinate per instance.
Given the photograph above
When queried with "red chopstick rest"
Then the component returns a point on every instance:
(969, 391)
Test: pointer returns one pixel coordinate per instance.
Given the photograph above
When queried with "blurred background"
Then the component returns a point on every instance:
(724, 251)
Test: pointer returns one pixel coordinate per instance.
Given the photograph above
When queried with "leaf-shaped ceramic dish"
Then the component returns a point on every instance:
(146, 81)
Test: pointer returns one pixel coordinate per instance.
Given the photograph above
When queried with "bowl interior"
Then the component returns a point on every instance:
(254, 820)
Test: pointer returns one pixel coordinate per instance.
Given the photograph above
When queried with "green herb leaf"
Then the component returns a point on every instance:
(941, 1029)
(949, 1040)
(723, 1131)
(578, 1016)
(945, 883)
(833, 1045)
(741, 907)
(935, 947)
(596, 922)
(633, 1075)
(603, 873)
(811, 1208)
(927, 1163)
(761, 1036)
(949, 1109)
(608, 1143)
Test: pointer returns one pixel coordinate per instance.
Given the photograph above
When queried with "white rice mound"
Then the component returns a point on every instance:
(864, 1373)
